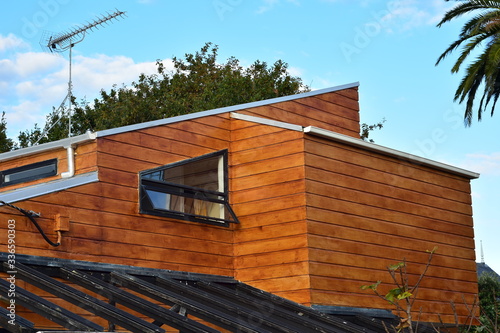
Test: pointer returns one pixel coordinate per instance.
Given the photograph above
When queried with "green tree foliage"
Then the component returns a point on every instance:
(489, 304)
(197, 83)
(481, 31)
(367, 129)
(6, 144)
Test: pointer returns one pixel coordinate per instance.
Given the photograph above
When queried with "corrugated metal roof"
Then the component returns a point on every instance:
(152, 300)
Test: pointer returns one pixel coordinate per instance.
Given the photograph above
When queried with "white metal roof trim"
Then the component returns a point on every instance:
(33, 191)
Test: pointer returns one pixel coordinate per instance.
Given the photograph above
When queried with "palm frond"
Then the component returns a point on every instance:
(481, 31)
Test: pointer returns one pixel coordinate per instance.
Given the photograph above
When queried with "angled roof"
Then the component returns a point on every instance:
(483, 268)
(64, 143)
(223, 302)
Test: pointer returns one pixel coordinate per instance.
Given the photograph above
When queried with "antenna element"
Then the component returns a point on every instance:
(66, 41)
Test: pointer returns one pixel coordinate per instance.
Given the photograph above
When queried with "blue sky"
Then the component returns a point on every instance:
(390, 47)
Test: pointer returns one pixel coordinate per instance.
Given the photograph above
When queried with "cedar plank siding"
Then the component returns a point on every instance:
(336, 111)
(267, 177)
(105, 224)
(318, 218)
(366, 211)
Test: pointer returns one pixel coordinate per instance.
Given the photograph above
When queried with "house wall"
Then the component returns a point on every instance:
(366, 211)
(104, 222)
(267, 194)
(318, 218)
(336, 111)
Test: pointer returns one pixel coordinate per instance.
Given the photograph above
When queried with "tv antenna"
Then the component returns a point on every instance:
(66, 41)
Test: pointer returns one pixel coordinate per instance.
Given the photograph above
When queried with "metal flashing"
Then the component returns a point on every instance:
(265, 121)
(390, 152)
(59, 144)
(226, 109)
(32, 191)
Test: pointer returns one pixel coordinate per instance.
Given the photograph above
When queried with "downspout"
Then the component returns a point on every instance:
(71, 163)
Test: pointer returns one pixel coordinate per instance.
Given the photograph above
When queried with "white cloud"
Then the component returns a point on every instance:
(10, 42)
(403, 15)
(33, 83)
(485, 164)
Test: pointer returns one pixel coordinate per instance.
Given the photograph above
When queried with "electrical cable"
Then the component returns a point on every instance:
(30, 215)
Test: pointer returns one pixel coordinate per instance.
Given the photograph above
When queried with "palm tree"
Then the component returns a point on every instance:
(482, 30)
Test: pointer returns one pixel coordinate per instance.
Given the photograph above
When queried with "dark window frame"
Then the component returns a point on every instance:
(30, 176)
(146, 205)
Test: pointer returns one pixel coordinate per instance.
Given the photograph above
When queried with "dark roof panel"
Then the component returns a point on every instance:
(152, 300)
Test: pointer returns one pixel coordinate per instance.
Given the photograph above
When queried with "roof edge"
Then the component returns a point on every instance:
(59, 144)
(417, 160)
(28, 192)
(265, 121)
(225, 109)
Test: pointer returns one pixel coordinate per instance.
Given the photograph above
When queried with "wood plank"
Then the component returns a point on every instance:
(325, 195)
(358, 209)
(267, 166)
(272, 258)
(267, 192)
(404, 230)
(272, 218)
(369, 222)
(274, 177)
(151, 239)
(279, 285)
(402, 192)
(198, 134)
(351, 93)
(202, 128)
(270, 272)
(253, 131)
(395, 254)
(331, 166)
(376, 263)
(259, 153)
(347, 98)
(269, 205)
(371, 160)
(271, 245)
(271, 231)
(271, 139)
(328, 121)
(336, 104)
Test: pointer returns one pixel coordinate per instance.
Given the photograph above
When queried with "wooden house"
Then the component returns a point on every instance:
(281, 195)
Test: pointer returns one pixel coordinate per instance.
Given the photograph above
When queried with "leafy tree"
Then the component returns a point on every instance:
(367, 129)
(197, 83)
(482, 30)
(489, 304)
(6, 144)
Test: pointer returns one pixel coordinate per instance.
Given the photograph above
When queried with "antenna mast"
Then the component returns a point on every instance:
(66, 41)
(482, 253)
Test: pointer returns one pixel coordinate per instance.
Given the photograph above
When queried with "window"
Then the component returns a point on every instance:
(28, 173)
(193, 190)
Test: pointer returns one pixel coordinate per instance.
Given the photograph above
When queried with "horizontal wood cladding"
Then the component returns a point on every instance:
(105, 224)
(366, 211)
(267, 192)
(335, 111)
(85, 161)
